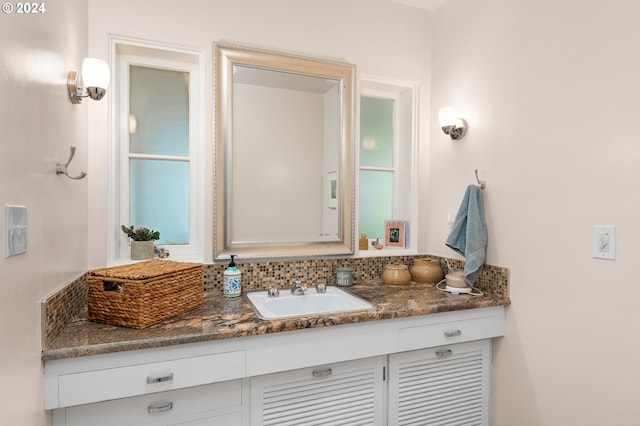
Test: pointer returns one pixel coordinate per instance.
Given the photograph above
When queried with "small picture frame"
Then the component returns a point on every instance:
(332, 190)
(394, 233)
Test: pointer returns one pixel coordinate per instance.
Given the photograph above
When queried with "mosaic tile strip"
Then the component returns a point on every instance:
(61, 307)
(256, 276)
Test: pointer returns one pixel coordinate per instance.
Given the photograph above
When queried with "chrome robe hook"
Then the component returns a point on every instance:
(61, 169)
(482, 183)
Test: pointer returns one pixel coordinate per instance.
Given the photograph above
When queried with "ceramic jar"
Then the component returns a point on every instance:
(426, 270)
(396, 274)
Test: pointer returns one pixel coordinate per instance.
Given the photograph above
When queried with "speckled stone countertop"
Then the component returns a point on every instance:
(224, 318)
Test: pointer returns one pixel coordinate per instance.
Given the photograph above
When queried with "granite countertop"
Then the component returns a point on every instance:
(224, 318)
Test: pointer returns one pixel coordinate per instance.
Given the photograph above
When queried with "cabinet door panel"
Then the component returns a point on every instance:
(348, 393)
(440, 386)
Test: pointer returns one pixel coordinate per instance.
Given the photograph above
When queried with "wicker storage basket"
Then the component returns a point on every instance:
(144, 293)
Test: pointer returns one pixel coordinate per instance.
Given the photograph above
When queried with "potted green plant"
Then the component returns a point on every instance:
(141, 241)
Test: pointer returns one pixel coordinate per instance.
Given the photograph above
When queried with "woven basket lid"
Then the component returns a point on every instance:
(144, 270)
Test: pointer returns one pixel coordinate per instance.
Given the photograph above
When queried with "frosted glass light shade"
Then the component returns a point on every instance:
(95, 73)
(451, 124)
(447, 116)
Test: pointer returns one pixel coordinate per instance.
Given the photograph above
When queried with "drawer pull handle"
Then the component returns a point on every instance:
(453, 333)
(160, 407)
(444, 352)
(167, 378)
(323, 372)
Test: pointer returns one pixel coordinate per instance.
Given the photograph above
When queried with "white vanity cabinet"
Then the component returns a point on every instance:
(377, 371)
(447, 385)
(347, 393)
(217, 404)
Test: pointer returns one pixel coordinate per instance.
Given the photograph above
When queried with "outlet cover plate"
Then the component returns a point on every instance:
(604, 242)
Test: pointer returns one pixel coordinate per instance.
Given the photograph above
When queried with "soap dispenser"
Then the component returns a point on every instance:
(232, 277)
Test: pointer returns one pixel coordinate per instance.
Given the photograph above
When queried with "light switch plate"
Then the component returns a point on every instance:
(15, 230)
(604, 242)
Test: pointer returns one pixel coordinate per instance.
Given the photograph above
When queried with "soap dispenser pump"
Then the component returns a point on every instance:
(232, 278)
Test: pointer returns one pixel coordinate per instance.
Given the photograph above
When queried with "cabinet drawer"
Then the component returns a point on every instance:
(163, 408)
(121, 382)
(429, 335)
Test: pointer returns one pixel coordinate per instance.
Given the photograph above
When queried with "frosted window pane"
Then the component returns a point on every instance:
(159, 111)
(160, 198)
(376, 132)
(376, 197)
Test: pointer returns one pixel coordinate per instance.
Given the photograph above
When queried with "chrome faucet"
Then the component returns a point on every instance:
(298, 288)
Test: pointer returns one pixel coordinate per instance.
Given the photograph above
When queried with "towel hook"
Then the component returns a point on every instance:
(482, 183)
(61, 169)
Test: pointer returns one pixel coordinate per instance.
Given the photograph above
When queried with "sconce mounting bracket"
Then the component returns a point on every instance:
(72, 86)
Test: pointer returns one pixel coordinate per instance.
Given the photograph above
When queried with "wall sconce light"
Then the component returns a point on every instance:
(95, 75)
(451, 124)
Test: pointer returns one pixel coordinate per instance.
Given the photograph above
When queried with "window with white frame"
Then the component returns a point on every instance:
(159, 147)
(387, 177)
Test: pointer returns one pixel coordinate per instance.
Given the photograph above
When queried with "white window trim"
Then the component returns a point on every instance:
(371, 86)
(125, 51)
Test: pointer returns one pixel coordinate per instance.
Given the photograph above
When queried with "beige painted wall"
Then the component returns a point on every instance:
(550, 90)
(37, 126)
(548, 87)
(383, 38)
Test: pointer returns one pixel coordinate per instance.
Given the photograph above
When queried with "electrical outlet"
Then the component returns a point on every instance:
(604, 242)
(15, 230)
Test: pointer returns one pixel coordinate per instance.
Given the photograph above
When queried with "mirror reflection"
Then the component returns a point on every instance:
(283, 138)
(285, 129)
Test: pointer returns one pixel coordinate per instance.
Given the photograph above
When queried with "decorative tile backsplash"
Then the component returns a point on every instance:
(61, 307)
(260, 275)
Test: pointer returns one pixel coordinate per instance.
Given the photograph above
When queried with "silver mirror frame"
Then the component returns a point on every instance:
(225, 57)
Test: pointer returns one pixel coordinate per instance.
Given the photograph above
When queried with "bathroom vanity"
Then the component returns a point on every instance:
(419, 353)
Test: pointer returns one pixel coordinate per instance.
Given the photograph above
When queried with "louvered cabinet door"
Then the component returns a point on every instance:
(348, 394)
(447, 385)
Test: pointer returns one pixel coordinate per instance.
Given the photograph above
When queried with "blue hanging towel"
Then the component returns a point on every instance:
(468, 235)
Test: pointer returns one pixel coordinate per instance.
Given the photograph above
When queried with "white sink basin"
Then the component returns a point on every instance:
(287, 305)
